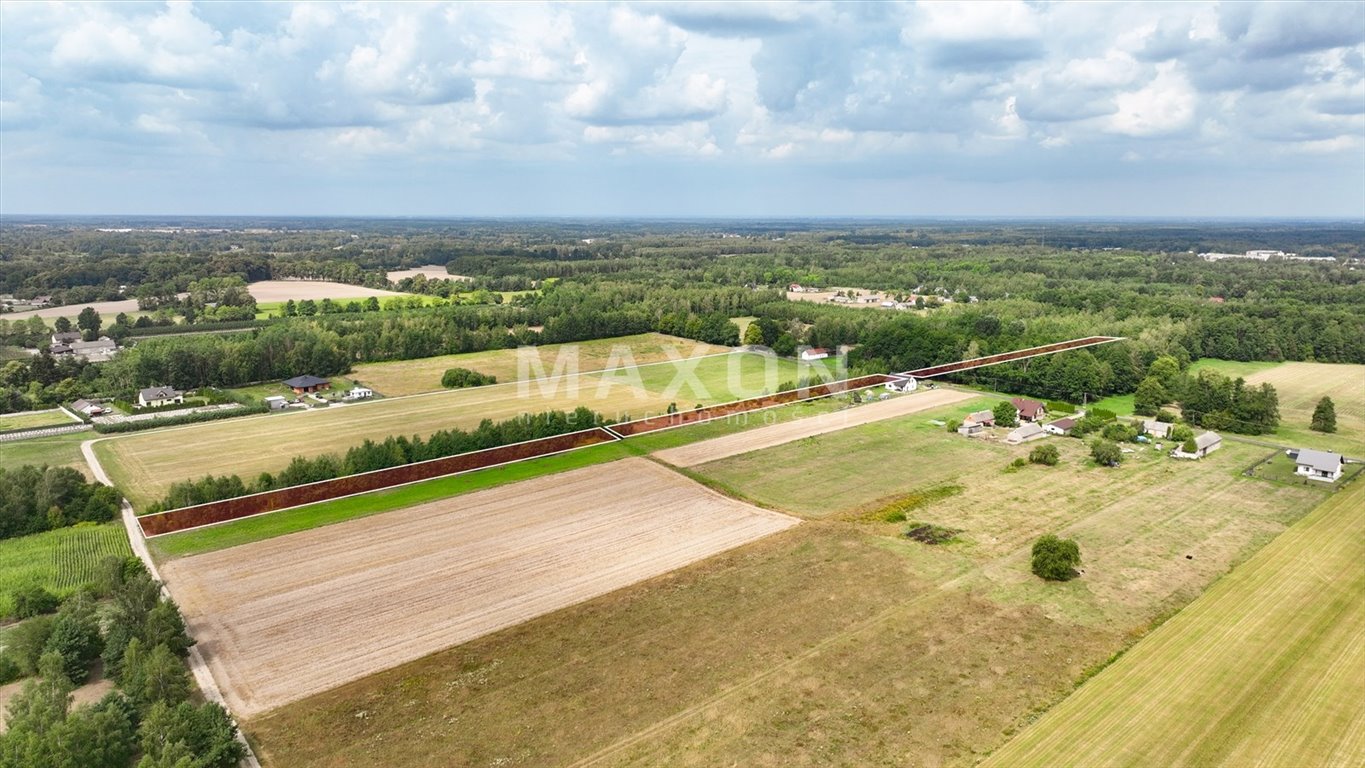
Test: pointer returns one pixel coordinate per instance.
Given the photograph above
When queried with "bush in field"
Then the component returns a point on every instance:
(953, 424)
(1006, 415)
(1181, 433)
(1055, 559)
(456, 378)
(1325, 416)
(1119, 432)
(1045, 454)
(1105, 453)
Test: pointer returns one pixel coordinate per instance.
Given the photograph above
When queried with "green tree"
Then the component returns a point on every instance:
(76, 637)
(206, 731)
(164, 626)
(1150, 396)
(1006, 415)
(1189, 446)
(1325, 416)
(753, 335)
(1055, 559)
(31, 600)
(26, 642)
(1046, 454)
(1166, 370)
(61, 325)
(371, 304)
(1106, 453)
(308, 308)
(292, 310)
(151, 676)
(1181, 432)
(89, 320)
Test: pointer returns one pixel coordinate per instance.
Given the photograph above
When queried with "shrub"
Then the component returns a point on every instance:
(1055, 559)
(1105, 453)
(1088, 424)
(9, 671)
(1046, 454)
(1016, 465)
(456, 378)
(1189, 446)
(31, 600)
(1181, 432)
(953, 424)
(1102, 413)
(26, 642)
(1119, 432)
(1165, 417)
(76, 636)
(1059, 407)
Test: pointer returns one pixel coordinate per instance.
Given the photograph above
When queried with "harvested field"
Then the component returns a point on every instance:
(430, 272)
(410, 377)
(303, 613)
(284, 290)
(767, 437)
(107, 310)
(1267, 668)
(1301, 385)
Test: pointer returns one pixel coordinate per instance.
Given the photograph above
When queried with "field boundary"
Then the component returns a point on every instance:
(212, 513)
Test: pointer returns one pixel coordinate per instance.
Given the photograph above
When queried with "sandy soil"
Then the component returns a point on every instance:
(432, 271)
(279, 620)
(107, 310)
(284, 290)
(786, 432)
(89, 693)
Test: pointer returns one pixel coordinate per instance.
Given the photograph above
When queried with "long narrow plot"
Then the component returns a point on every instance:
(1266, 669)
(303, 613)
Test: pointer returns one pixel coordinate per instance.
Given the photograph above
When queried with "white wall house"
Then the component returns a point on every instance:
(1318, 465)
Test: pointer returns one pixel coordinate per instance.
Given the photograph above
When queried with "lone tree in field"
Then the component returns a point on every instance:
(1325, 416)
(1055, 559)
(1105, 453)
(1006, 415)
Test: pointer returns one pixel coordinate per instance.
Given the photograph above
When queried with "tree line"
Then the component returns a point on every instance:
(34, 499)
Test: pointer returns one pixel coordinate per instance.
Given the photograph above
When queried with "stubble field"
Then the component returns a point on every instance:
(304, 613)
(838, 643)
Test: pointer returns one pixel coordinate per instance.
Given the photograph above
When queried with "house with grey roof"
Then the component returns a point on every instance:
(155, 397)
(1323, 466)
(1203, 445)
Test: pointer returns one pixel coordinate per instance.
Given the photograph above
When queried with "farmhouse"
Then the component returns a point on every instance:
(64, 338)
(1318, 465)
(1025, 432)
(1061, 427)
(1029, 410)
(302, 385)
(903, 385)
(153, 397)
(359, 393)
(1157, 428)
(814, 353)
(1203, 445)
(96, 351)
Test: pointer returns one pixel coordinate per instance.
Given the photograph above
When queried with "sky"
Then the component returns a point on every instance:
(684, 109)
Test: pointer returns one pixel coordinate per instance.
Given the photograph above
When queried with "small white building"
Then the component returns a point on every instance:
(1323, 466)
(814, 353)
(1157, 428)
(359, 393)
(1026, 432)
(902, 385)
(276, 402)
(1203, 445)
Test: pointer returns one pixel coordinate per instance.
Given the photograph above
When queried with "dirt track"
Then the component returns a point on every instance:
(785, 432)
(281, 619)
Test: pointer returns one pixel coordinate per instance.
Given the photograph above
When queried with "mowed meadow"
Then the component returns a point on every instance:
(840, 641)
(144, 465)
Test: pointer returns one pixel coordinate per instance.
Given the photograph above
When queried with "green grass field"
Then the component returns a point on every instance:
(60, 561)
(839, 642)
(30, 419)
(1267, 668)
(56, 451)
(325, 513)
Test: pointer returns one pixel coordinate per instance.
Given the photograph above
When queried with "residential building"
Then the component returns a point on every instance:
(1061, 427)
(155, 397)
(1025, 432)
(1157, 428)
(1324, 466)
(305, 384)
(814, 353)
(1029, 410)
(1203, 445)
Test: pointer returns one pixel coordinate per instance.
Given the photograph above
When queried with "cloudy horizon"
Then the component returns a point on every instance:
(684, 109)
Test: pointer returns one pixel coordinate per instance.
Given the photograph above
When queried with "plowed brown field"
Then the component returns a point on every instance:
(300, 614)
(786, 432)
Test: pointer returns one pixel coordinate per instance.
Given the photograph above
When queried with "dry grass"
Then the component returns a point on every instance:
(410, 377)
(1301, 385)
(1267, 668)
(300, 614)
(837, 643)
(298, 290)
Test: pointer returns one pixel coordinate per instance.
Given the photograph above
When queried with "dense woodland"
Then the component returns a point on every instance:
(1003, 287)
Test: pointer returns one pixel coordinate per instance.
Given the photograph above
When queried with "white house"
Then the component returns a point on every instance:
(276, 402)
(1025, 432)
(153, 397)
(902, 385)
(814, 353)
(359, 393)
(1203, 445)
(1061, 427)
(1324, 466)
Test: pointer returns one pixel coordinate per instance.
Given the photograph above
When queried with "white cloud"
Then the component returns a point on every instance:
(1165, 105)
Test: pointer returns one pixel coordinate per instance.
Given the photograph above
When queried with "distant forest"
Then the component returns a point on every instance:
(992, 287)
